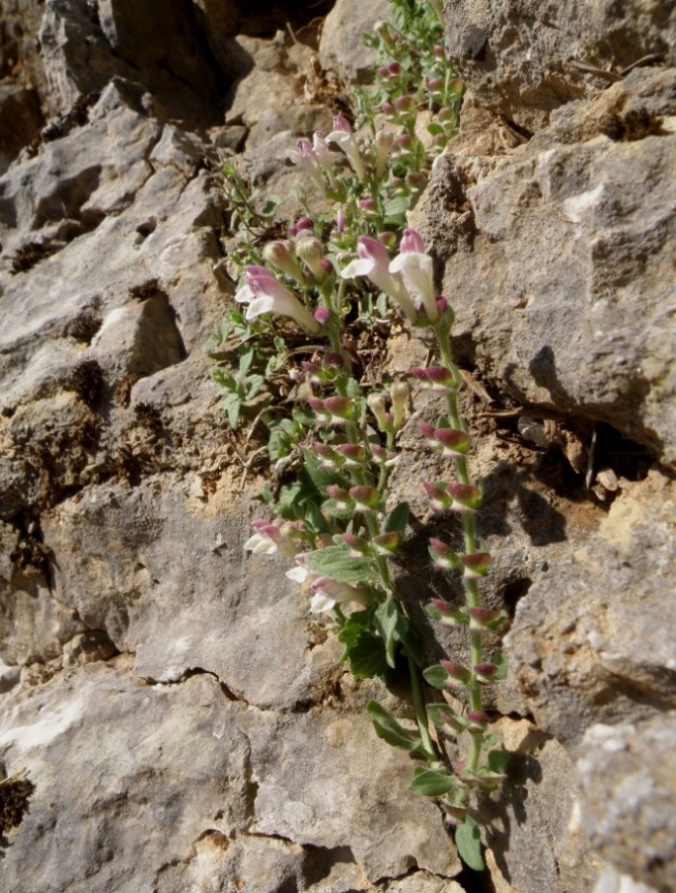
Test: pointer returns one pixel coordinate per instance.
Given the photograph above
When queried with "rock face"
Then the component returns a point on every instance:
(552, 216)
(182, 726)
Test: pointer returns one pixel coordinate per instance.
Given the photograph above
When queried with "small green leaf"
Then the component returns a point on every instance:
(435, 129)
(363, 651)
(468, 842)
(501, 662)
(335, 562)
(432, 782)
(398, 519)
(389, 729)
(436, 676)
(386, 618)
(497, 760)
(442, 714)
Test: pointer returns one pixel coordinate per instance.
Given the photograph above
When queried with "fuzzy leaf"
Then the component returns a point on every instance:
(436, 676)
(497, 760)
(386, 618)
(432, 782)
(500, 661)
(335, 562)
(398, 519)
(364, 652)
(468, 842)
(389, 729)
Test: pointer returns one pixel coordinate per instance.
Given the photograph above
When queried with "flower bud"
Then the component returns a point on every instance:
(456, 672)
(443, 556)
(475, 564)
(465, 497)
(378, 406)
(439, 496)
(388, 239)
(340, 408)
(316, 404)
(278, 254)
(434, 83)
(365, 497)
(484, 672)
(403, 141)
(442, 304)
(354, 453)
(387, 542)
(452, 441)
(341, 497)
(383, 457)
(478, 718)
(448, 615)
(328, 457)
(387, 108)
(304, 223)
(356, 544)
(311, 250)
(438, 50)
(322, 315)
(404, 103)
(399, 394)
(394, 68)
(485, 618)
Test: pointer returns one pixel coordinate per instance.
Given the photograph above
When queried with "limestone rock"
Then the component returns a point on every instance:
(628, 777)
(524, 59)
(322, 788)
(531, 827)
(100, 724)
(591, 642)
(590, 330)
(342, 46)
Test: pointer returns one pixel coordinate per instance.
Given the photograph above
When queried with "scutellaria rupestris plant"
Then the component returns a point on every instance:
(304, 302)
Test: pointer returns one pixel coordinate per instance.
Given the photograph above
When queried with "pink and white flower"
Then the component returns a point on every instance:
(343, 136)
(265, 294)
(327, 593)
(374, 263)
(416, 268)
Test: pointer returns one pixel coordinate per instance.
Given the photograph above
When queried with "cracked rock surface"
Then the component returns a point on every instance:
(182, 724)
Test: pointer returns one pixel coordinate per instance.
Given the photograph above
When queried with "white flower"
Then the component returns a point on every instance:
(342, 134)
(264, 294)
(416, 268)
(374, 263)
(327, 593)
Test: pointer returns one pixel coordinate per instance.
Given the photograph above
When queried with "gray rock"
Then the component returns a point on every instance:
(589, 331)
(591, 642)
(165, 766)
(627, 774)
(314, 772)
(532, 826)
(342, 46)
(524, 59)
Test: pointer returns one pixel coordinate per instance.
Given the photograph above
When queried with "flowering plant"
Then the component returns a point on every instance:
(337, 278)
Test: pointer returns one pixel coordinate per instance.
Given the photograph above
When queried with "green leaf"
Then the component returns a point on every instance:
(364, 652)
(436, 676)
(232, 405)
(386, 618)
(432, 782)
(497, 760)
(501, 662)
(395, 210)
(398, 519)
(270, 206)
(435, 129)
(321, 477)
(335, 562)
(389, 729)
(468, 842)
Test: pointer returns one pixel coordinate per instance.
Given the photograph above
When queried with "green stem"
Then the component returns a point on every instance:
(420, 712)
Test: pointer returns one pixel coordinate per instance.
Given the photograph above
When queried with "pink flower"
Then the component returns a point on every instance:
(315, 158)
(264, 294)
(374, 263)
(327, 593)
(343, 136)
(415, 267)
